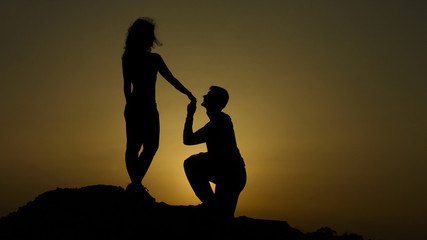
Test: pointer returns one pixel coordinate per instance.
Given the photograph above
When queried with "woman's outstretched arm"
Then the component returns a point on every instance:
(166, 73)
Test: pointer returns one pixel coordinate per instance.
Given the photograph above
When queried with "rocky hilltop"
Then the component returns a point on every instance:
(109, 212)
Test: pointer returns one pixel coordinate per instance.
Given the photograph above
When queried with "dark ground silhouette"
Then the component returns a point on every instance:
(108, 212)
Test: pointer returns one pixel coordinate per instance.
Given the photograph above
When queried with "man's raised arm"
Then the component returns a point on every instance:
(191, 138)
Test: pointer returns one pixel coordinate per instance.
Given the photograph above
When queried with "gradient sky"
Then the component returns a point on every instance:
(328, 100)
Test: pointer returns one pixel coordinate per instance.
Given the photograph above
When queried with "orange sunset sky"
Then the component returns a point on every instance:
(328, 101)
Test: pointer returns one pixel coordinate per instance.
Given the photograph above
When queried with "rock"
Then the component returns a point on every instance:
(109, 212)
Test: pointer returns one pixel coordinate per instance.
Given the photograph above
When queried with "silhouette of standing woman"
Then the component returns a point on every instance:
(140, 68)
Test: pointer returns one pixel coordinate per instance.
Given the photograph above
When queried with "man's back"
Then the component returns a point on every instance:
(220, 137)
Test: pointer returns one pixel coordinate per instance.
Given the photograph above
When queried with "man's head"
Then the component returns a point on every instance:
(216, 99)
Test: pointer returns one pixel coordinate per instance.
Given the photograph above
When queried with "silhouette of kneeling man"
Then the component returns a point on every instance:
(222, 164)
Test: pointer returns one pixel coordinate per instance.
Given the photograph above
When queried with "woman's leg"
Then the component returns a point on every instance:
(133, 146)
(150, 144)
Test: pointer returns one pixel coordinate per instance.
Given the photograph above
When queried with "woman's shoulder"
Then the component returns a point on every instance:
(154, 55)
(153, 59)
(139, 54)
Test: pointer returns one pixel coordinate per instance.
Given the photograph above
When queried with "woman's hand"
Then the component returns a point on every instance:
(191, 97)
(191, 108)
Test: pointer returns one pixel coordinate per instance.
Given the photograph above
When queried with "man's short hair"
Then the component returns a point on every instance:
(220, 97)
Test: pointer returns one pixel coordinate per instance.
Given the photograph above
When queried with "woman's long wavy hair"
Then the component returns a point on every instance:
(141, 36)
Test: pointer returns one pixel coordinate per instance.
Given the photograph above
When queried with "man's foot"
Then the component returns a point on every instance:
(139, 191)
